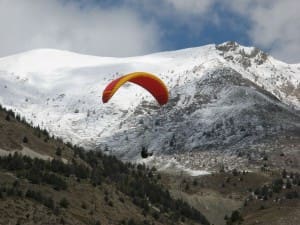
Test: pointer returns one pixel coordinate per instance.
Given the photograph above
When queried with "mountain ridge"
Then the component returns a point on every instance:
(65, 97)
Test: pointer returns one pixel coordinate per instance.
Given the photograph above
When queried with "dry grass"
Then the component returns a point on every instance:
(87, 203)
(217, 195)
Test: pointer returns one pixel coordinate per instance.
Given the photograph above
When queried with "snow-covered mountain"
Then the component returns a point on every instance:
(222, 97)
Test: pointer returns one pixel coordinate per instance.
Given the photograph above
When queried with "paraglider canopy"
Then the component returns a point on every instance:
(146, 80)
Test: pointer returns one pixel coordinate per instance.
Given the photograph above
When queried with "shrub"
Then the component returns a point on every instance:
(64, 203)
(25, 139)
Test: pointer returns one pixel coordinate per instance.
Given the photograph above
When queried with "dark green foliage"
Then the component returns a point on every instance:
(137, 182)
(12, 162)
(195, 182)
(121, 199)
(277, 185)
(155, 215)
(235, 217)
(296, 179)
(58, 151)
(226, 217)
(235, 172)
(64, 203)
(134, 181)
(16, 184)
(266, 192)
(39, 171)
(288, 184)
(7, 118)
(62, 221)
(56, 211)
(25, 139)
(39, 197)
(110, 203)
(83, 205)
(187, 187)
(262, 207)
(284, 173)
(11, 114)
(57, 182)
(292, 194)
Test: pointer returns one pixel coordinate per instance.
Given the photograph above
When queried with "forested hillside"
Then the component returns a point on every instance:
(44, 181)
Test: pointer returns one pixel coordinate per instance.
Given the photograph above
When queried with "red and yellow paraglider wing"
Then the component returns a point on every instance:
(146, 80)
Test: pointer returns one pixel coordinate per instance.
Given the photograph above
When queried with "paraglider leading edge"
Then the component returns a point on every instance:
(146, 80)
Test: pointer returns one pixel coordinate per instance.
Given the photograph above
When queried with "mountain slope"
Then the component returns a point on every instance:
(225, 109)
(222, 97)
(43, 181)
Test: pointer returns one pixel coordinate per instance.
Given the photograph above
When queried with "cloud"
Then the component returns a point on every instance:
(134, 27)
(116, 31)
(275, 25)
(196, 7)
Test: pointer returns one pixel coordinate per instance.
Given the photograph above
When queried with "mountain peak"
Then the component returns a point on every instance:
(232, 51)
(45, 60)
(61, 91)
(227, 46)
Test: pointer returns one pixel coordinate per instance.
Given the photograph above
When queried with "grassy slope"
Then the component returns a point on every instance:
(218, 195)
(88, 203)
(12, 133)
